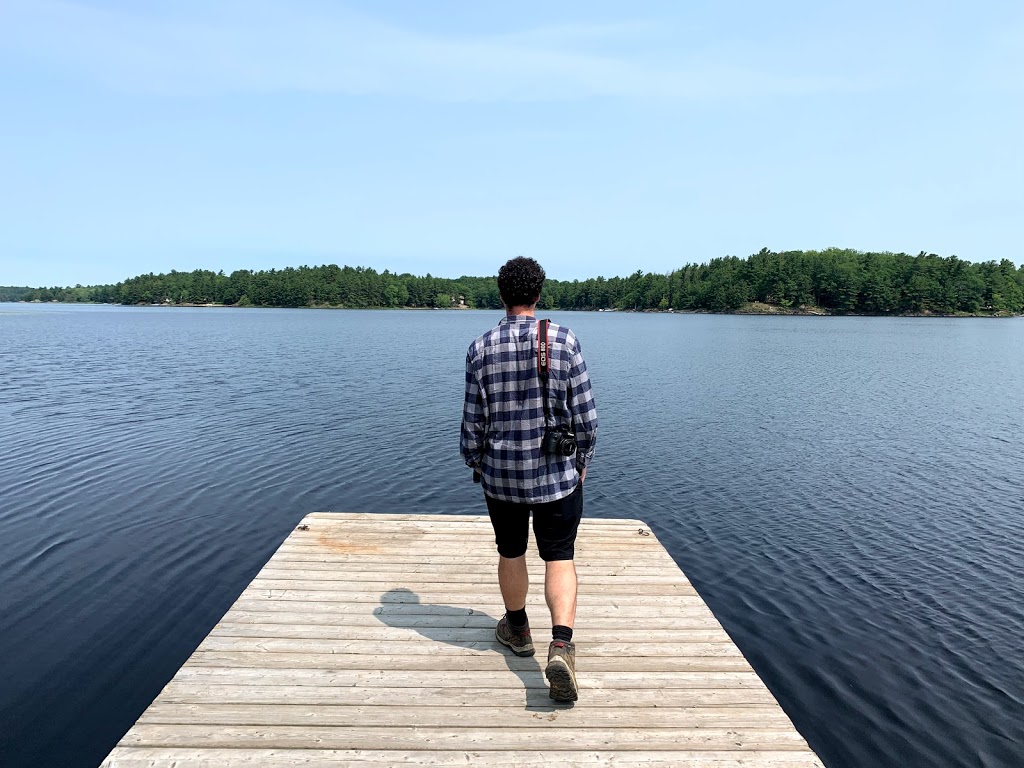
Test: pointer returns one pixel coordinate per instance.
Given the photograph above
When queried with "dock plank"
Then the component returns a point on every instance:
(499, 736)
(606, 624)
(232, 668)
(482, 633)
(433, 647)
(368, 640)
(193, 691)
(220, 713)
(170, 757)
(466, 663)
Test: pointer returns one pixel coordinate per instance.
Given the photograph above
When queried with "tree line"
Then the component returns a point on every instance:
(839, 281)
(14, 292)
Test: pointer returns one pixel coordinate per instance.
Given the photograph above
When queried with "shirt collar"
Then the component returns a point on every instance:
(518, 319)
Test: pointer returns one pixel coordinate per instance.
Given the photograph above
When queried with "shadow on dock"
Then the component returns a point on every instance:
(401, 608)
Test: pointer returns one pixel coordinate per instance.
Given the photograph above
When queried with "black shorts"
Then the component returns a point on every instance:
(554, 525)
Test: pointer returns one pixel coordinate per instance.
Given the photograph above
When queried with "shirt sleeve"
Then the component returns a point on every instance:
(584, 410)
(474, 416)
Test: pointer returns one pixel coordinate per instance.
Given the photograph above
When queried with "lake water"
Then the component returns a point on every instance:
(846, 494)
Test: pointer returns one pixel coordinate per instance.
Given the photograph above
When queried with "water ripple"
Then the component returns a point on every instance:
(844, 492)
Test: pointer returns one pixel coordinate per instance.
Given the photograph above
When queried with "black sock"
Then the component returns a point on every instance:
(517, 619)
(559, 632)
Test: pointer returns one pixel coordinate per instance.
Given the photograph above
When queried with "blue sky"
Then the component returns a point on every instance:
(599, 138)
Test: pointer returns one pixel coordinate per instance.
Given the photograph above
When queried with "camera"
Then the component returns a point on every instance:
(558, 442)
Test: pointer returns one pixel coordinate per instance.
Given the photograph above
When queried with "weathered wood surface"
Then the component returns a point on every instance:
(369, 640)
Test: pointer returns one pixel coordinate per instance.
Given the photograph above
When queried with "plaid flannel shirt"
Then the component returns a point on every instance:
(503, 415)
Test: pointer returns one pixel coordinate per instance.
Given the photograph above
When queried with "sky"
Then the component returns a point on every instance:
(447, 137)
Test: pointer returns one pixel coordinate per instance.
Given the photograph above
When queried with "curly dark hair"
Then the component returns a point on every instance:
(520, 282)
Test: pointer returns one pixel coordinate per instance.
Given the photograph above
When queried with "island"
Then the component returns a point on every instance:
(833, 281)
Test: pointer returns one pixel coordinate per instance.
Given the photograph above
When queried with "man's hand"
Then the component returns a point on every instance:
(583, 475)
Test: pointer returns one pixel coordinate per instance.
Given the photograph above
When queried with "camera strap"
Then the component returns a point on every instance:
(542, 348)
(543, 359)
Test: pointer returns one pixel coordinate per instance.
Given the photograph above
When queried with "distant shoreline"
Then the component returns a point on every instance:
(834, 281)
(750, 308)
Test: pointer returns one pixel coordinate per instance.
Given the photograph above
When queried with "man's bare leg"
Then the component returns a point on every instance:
(513, 629)
(560, 591)
(514, 581)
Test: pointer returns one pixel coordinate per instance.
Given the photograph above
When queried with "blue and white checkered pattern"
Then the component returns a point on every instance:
(503, 416)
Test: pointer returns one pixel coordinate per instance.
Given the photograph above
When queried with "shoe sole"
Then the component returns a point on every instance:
(562, 681)
(517, 650)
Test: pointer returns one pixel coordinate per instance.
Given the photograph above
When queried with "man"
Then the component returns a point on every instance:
(504, 422)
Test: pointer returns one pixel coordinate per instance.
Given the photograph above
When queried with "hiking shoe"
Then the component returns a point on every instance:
(518, 640)
(561, 671)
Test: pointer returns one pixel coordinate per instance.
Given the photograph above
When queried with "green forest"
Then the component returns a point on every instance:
(834, 281)
(14, 293)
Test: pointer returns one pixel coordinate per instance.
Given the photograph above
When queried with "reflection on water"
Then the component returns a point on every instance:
(845, 493)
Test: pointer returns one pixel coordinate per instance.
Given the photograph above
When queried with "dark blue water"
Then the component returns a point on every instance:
(846, 493)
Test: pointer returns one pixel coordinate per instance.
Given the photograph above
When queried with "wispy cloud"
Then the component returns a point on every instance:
(273, 47)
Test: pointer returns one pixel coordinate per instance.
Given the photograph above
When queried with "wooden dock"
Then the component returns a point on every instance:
(369, 639)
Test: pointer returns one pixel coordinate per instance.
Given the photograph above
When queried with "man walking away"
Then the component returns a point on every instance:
(529, 426)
